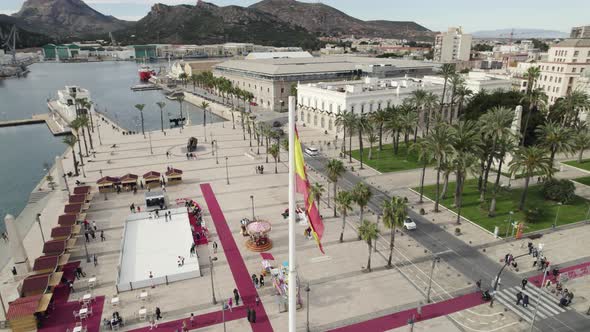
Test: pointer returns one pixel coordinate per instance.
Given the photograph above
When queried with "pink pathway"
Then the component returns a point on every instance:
(572, 272)
(208, 319)
(430, 311)
(62, 317)
(236, 262)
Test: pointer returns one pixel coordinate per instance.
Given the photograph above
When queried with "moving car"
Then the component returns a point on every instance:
(409, 224)
(311, 151)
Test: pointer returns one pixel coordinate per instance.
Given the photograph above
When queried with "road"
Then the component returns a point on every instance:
(465, 259)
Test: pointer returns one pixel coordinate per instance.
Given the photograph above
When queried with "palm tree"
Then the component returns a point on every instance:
(362, 125)
(463, 92)
(372, 139)
(343, 202)
(574, 102)
(505, 145)
(351, 123)
(369, 232)
(394, 127)
(194, 79)
(394, 214)
(161, 105)
(430, 101)
(447, 71)
(581, 142)
(361, 195)
(183, 77)
(140, 108)
(317, 190)
(439, 142)
(274, 152)
(85, 124)
(536, 99)
(70, 141)
(457, 81)
(75, 125)
(532, 74)
(530, 161)
(334, 170)
(462, 164)
(379, 118)
(555, 138)
(341, 122)
(180, 99)
(425, 156)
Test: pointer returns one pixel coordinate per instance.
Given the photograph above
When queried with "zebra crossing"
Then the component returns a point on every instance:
(548, 303)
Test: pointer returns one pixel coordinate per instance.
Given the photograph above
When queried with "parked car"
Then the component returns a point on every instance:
(311, 151)
(409, 224)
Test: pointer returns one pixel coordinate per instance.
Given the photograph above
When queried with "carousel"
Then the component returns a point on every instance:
(258, 240)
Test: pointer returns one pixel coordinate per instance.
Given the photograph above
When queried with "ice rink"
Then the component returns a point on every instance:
(154, 245)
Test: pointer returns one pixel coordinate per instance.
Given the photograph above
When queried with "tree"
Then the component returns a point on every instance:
(85, 125)
(581, 142)
(447, 71)
(205, 107)
(394, 214)
(70, 141)
(369, 232)
(341, 121)
(555, 138)
(343, 202)
(457, 82)
(361, 195)
(372, 139)
(440, 143)
(317, 190)
(536, 99)
(161, 105)
(532, 75)
(379, 118)
(194, 79)
(362, 125)
(75, 125)
(140, 108)
(462, 93)
(274, 152)
(180, 99)
(334, 170)
(425, 156)
(183, 77)
(530, 161)
(429, 102)
(462, 163)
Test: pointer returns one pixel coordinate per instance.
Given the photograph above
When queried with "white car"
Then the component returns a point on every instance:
(311, 151)
(409, 224)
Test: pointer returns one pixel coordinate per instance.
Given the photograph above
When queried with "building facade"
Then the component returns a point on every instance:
(580, 32)
(452, 46)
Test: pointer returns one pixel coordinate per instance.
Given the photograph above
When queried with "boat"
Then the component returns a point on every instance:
(145, 73)
(65, 104)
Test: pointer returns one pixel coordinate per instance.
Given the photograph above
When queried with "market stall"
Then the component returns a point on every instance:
(151, 179)
(65, 232)
(129, 181)
(73, 209)
(107, 184)
(49, 263)
(67, 219)
(77, 199)
(22, 312)
(38, 284)
(258, 239)
(174, 176)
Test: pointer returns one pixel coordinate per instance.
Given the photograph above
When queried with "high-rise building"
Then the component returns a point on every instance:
(452, 46)
(580, 32)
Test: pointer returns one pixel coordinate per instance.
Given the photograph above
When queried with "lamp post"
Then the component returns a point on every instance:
(434, 261)
(223, 314)
(226, 171)
(68, 186)
(557, 214)
(252, 199)
(307, 289)
(40, 228)
(98, 129)
(216, 153)
(509, 223)
(211, 260)
(150, 136)
(86, 249)
(497, 280)
(539, 299)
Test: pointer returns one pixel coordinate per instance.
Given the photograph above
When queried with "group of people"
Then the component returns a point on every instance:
(258, 282)
(524, 298)
(260, 169)
(116, 320)
(90, 231)
(180, 261)
(191, 156)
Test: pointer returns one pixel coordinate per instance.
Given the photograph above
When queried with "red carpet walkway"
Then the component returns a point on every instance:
(62, 317)
(208, 319)
(430, 311)
(572, 272)
(236, 262)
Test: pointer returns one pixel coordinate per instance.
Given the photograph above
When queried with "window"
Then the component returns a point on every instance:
(267, 89)
(571, 82)
(574, 60)
(557, 90)
(588, 53)
(282, 90)
(574, 70)
(352, 108)
(582, 70)
(550, 78)
(576, 53)
(323, 106)
(254, 86)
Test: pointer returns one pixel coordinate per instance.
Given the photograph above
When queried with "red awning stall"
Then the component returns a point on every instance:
(21, 312)
(77, 199)
(151, 179)
(67, 220)
(107, 184)
(73, 209)
(129, 181)
(174, 176)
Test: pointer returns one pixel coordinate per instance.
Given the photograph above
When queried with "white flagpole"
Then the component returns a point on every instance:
(292, 263)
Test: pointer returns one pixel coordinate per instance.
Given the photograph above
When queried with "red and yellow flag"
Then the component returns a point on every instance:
(304, 187)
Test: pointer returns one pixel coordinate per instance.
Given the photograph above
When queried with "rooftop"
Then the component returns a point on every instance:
(581, 42)
(368, 85)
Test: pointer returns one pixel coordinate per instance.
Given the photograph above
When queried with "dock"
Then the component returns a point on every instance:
(53, 123)
(145, 87)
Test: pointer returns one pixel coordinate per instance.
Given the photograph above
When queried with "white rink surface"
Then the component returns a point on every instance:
(154, 245)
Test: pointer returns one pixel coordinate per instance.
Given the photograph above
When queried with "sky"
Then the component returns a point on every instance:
(436, 15)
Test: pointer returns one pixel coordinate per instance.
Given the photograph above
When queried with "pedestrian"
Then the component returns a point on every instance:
(93, 234)
(102, 238)
(530, 246)
(253, 316)
(261, 169)
(261, 280)
(95, 260)
(237, 297)
(86, 224)
(478, 284)
(141, 184)
(192, 319)
(518, 298)
(230, 304)
(214, 247)
(151, 276)
(257, 300)
(524, 282)
(138, 209)
(158, 313)
(507, 258)
(152, 323)
(163, 188)
(94, 225)
(87, 236)
(525, 301)
(187, 156)
(184, 326)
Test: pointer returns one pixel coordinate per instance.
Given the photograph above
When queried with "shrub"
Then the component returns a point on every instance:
(422, 211)
(558, 190)
(533, 215)
(457, 231)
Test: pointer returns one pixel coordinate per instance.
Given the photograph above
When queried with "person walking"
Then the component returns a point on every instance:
(230, 304)
(102, 238)
(87, 236)
(158, 313)
(95, 259)
(478, 284)
(214, 247)
(257, 300)
(518, 298)
(237, 296)
(253, 316)
(525, 301)
(524, 282)
(94, 225)
(192, 319)
(249, 314)
(261, 280)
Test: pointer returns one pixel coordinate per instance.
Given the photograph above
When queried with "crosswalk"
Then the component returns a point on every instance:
(548, 303)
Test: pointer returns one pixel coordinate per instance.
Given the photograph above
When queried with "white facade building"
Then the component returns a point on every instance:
(477, 81)
(452, 46)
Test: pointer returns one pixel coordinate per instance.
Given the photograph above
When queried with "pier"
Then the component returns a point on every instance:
(145, 87)
(53, 123)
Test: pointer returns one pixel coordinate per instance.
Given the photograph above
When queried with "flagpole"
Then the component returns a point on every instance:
(292, 264)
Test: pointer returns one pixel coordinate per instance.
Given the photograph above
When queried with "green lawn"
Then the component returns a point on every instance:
(585, 164)
(508, 200)
(583, 180)
(385, 161)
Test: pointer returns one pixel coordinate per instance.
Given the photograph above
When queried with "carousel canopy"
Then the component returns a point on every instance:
(73, 208)
(54, 247)
(74, 199)
(66, 220)
(83, 190)
(258, 227)
(129, 178)
(106, 180)
(151, 175)
(173, 171)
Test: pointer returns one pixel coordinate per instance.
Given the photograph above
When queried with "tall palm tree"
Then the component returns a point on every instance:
(536, 99)
(463, 93)
(75, 125)
(505, 145)
(555, 138)
(341, 121)
(394, 214)
(372, 139)
(343, 202)
(274, 152)
(575, 102)
(70, 141)
(351, 123)
(424, 154)
(317, 190)
(369, 232)
(457, 82)
(140, 108)
(85, 124)
(361, 195)
(430, 101)
(379, 118)
(581, 142)
(161, 105)
(194, 79)
(180, 100)
(362, 125)
(183, 77)
(530, 161)
(439, 142)
(334, 170)
(462, 164)
(532, 75)
(447, 71)
(417, 101)
(88, 106)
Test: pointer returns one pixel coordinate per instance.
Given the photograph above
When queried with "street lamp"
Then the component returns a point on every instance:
(557, 214)
(223, 313)
(252, 199)
(68, 186)
(509, 223)
(307, 289)
(211, 260)
(497, 280)
(539, 298)
(216, 153)
(40, 228)
(86, 249)
(150, 136)
(434, 261)
(226, 171)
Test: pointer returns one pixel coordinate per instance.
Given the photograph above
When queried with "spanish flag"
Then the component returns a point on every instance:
(304, 187)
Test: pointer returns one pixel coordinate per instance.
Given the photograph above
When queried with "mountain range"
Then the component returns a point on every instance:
(269, 22)
(520, 34)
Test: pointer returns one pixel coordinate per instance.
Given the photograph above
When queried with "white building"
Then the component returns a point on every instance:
(580, 32)
(566, 62)
(452, 46)
(477, 81)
